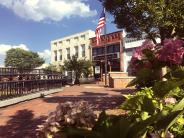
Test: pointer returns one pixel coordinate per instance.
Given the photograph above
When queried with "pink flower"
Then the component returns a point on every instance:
(136, 61)
(172, 52)
(138, 51)
(170, 100)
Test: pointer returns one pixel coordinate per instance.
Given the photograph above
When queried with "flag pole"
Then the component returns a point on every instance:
(105, 47)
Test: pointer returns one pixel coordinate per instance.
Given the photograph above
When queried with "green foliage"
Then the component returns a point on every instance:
(138, 104)
(161, 18)
(54, 68)
(177, 128)
(87, 70)
(22, 59)
(175, 73)
(145, 78)
(156, 118)
(166, 88)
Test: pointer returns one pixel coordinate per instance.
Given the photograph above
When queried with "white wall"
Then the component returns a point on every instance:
(73, 42)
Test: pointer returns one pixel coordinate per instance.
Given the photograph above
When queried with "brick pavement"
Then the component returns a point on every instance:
(20, 120)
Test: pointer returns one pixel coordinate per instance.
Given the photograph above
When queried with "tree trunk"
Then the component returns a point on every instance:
(77, 81)
(77, 76)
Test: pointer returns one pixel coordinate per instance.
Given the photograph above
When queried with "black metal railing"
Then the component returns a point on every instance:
(15, 83)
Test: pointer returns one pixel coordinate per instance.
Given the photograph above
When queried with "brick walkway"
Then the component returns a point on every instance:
(20, 120)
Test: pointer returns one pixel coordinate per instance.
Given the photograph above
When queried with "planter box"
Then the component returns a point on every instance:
(119, 79)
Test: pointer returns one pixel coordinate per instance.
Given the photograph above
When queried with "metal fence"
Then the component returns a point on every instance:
(14, 82)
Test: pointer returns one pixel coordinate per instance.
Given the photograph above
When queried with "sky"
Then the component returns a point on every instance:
(32, 24)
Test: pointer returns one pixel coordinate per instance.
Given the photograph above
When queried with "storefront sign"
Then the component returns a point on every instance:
(109, 57)
(97, 69)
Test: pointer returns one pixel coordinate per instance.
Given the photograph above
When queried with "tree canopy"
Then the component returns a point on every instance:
(156, 18)
(78, 67)
(54, 68)
(22, 59)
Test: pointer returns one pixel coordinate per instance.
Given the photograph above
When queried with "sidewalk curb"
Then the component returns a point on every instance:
(27, 97)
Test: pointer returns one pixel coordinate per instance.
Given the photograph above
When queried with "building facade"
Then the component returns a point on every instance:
(119, 52)
(77, 44)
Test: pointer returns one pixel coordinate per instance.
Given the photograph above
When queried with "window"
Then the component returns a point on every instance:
(76, 38)
(55, 44)
(68, 53)
(100, 51)
(83, 37)
(116, 48)
(68, 41)
(76, 51)
(60, 56)
(110, 49)
(83, 50)
(55, 55)
(60, 43)
(94, 50)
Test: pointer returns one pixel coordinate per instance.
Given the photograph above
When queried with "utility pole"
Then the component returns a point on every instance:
(105, 49)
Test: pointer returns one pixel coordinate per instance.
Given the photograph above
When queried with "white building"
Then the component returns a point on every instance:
(77, 44)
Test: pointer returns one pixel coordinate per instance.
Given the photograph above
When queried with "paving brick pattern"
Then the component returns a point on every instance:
(21, 120)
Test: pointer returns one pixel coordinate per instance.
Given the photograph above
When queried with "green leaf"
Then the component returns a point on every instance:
(168, 119)
(163, 88)
(176, 73)
(139, 103)
(179, 106)
(112, 126)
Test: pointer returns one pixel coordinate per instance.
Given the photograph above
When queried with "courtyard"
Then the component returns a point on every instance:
(21, 120)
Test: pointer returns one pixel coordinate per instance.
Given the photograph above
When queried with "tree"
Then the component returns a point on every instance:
(78, 67)
(54, 68)
(87, 70)
(156, 18)
(22, 59)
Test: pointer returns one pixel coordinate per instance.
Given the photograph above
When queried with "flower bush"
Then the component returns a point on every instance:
(148, 60)
(77, 115)
(149, 55)
(140, 56)
(172, 52)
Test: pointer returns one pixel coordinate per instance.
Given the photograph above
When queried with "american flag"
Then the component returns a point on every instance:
(100, 25)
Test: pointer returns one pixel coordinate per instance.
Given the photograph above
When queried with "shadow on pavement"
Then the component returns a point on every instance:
(21, 125)
(98, 103)
(125, 91)
(93, 94)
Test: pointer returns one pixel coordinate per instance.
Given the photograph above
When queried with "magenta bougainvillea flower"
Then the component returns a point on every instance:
(138, 51)
(172, 52)
(136, 62)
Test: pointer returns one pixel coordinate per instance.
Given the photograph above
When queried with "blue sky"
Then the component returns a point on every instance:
(32, 24)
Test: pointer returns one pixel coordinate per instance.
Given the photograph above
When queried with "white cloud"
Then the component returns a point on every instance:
(4, 48)
(55, 10)
(46, 54)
